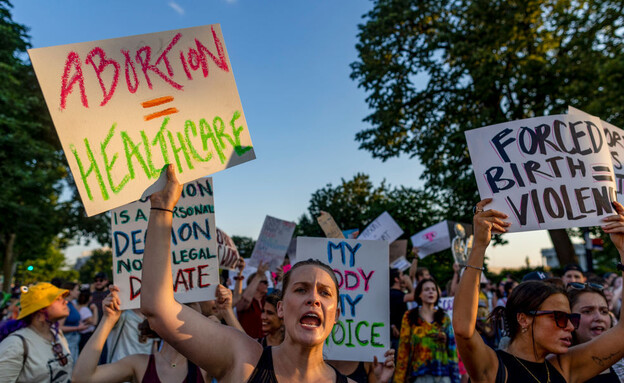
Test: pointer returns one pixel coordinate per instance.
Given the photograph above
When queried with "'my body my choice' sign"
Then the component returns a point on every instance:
(361, 267)
(545, 173)
(123, 108)
(194, 261)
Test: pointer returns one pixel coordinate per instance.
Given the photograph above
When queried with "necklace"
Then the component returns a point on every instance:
(529, 371)
(173, 363)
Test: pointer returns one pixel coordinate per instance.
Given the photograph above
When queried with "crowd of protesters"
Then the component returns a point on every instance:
(543, 328)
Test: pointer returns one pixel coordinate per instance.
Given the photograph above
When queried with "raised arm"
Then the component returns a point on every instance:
(252, 285)
(479, 359)
(224, 307)
(86, 368)
(219, 350)
(589, 359)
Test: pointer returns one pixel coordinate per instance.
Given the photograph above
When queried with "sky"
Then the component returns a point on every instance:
(291, 64)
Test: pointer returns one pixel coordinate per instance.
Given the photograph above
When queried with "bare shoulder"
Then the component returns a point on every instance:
(137, 363)
(247, 355)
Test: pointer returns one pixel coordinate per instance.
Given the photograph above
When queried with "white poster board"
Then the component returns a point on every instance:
(124, 108)
(547, 172)
(432, 240)
(382, 228)
(615, 142)
(361, 267)
(194, 263)
(272, 242)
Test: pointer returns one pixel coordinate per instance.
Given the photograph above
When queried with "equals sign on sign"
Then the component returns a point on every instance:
(157, 102)
(601, 173)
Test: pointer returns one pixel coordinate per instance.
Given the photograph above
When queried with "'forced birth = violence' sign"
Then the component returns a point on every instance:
(123, 108)
(361, 267)
(194, 261)
(547, 172)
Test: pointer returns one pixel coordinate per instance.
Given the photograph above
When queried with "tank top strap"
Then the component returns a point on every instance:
(264, 373)
(341, 378)
(151, 375)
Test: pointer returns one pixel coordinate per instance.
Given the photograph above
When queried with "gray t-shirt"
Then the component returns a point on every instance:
(42, 365)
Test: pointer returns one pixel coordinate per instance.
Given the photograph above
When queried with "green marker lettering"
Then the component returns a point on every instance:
(160, 137)
(92, 168)
(375, 334)
(133, 150)
(108, 166)
(190, 125)
(205, 135)
(182, 148)
(148, 156)
(357, 333)
(240, 150)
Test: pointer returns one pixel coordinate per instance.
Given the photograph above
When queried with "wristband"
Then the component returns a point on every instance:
(472, 267)
(161, 209)
(239, 278)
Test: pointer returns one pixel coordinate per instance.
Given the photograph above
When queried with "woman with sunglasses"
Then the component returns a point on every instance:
(538, 320)
(589, 300)
(33, 348)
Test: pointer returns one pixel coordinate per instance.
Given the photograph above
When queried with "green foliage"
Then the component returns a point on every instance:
(436, 68)
(47, 265)
(357, 202)
(100, 260)
(244, 245)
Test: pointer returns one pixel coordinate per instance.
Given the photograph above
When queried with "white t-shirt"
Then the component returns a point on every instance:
(124, 338)
(42, 365)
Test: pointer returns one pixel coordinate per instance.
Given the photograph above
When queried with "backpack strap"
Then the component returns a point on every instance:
(25, 347)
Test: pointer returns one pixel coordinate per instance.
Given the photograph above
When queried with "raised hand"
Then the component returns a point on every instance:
(487, 222)
(111, 304)
(614, 226)
(383, 371)
(223, 297)
(168, 197)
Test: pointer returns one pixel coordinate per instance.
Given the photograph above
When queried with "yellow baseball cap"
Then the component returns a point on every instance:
(37, 297)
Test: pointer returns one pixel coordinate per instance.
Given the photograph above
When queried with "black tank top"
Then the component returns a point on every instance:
(517, 370)
(359, 375)
(264, 373)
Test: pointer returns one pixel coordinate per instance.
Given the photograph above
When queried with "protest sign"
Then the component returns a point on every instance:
(547, 172)
(446, 303)
(329, 226)
(351, 233)
(272, 243)
(382, 228)
(615, 142)
(194, 263)
(123, 108)
(226, 251)
(398, 249)
(361, 267)
(440, 237)
(401, 264)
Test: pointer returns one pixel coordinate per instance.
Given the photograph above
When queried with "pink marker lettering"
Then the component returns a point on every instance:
(99, 68)
(73, 60)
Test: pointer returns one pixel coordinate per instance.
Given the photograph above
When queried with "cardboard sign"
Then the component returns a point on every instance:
(615, 142)
(398, 249)
(272, 243)
(124, 108)
(194, 263)
(226, 251)
(549, 172)
(382, 228)
(329, 226)
(361, 267)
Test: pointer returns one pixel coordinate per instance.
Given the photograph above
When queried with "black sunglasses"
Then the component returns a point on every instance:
(581, 286)
(561, 318)
(60, 356)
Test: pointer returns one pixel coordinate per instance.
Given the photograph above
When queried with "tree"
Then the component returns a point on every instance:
(100, 260)
(45, 268)
(357, 202)
(245, 245)
(481, 62)
(34, 173)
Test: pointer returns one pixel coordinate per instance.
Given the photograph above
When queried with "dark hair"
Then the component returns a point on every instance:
(273, 298)
(68, 285)
(575, 294)
(394, 273)
(310, 262)
(527, 296)
(146, 332)
(414, 316)
(84, 297)
(421, 271)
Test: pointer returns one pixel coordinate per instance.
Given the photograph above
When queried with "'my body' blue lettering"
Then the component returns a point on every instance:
(341, 246)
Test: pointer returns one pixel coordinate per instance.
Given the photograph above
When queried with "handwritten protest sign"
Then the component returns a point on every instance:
(329, 226)
(226, 251)
(383, 228)
(615, 142)
(446, 303)
(440, 237)
(272, 242)
(398, 249)
(194, 262)
(123, 108)
(361, 268)
(547, 172)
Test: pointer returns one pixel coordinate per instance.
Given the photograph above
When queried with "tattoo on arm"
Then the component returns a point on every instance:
(602, 361)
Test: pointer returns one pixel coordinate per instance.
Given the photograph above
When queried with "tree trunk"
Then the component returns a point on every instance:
(563, 247)
(8, 262)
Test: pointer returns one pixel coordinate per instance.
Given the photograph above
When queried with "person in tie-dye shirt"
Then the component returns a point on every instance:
(427, 351)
